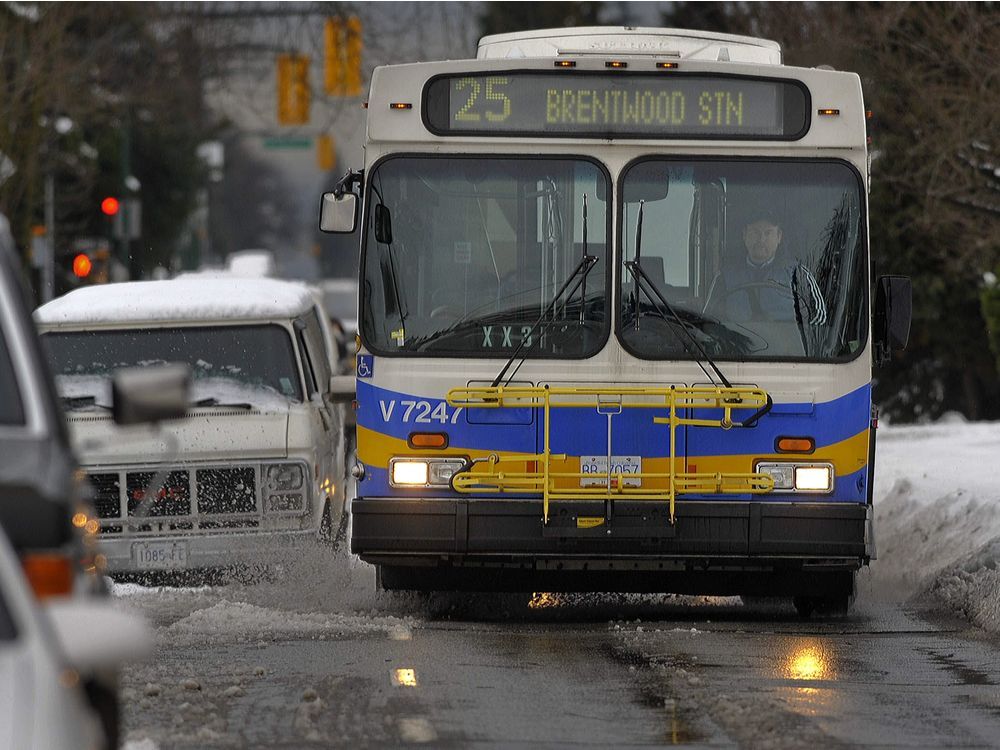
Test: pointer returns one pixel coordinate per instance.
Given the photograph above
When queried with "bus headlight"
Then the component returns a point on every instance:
(799, 477)
(423, 472)
(813, 478)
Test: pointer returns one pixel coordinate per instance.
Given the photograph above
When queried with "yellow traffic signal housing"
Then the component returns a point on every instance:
(326, 154)
(294, 94)
(342, 69)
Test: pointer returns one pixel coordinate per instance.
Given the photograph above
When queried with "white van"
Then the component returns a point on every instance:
(256, 466)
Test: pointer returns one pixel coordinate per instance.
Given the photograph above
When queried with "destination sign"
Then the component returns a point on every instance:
(616, 105)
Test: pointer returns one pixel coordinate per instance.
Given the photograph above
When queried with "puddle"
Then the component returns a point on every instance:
(965, 673)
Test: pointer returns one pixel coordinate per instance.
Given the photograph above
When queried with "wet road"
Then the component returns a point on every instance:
(315, 659)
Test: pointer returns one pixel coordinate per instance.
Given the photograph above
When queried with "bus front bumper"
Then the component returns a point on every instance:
(460, 542)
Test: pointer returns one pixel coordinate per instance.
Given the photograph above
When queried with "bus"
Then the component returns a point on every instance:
(616, 321)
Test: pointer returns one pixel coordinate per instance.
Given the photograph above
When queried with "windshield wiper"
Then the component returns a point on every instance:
(213, 401)
(646, 285)
(576, 279)
(77, 402)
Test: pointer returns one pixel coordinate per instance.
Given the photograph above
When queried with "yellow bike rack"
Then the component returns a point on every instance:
(489, 475)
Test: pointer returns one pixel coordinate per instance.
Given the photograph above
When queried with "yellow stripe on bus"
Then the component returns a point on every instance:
(847, 456)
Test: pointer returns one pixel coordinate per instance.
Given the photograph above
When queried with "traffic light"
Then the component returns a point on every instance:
(326, 153)
(82, 266)
(110, 206)
(294, 94)
(342, 62)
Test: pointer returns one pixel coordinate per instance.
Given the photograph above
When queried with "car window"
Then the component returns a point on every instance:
(257, 356)
(11, 405)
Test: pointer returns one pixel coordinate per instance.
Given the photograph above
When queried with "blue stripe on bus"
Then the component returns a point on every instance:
(584, 432)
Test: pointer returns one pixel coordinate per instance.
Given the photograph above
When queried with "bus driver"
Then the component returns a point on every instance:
(766, 283)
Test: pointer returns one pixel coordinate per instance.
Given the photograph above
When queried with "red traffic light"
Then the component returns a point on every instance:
(109, 206)
(82, 264)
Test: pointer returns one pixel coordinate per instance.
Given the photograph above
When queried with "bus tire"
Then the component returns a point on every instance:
(835, 600)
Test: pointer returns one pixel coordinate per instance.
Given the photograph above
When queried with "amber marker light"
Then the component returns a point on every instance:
(616, 64)
(49, 575)
(428, 440)
(795, 445)
(400, 105)
(666, 65)
(829, 112)
(565, 63)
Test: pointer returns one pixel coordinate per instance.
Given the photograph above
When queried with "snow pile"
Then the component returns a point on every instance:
(243, 621)
(937, 515)
(190, 299)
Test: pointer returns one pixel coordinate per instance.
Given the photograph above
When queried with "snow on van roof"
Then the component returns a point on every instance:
(188, 299)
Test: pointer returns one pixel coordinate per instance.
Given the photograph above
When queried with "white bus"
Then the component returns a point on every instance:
(615, 328)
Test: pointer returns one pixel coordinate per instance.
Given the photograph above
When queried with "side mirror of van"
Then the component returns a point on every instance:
(338, 214)
(893, 313)
(140, 395)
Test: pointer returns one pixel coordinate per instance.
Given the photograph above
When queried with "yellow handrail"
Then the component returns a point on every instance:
(494, 479)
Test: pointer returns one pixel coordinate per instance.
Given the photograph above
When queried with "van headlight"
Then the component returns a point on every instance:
(283, 477)
(423, 472)
(791, 476)
(283, 489)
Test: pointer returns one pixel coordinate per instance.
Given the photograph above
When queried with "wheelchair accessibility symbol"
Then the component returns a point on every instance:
(366, 365)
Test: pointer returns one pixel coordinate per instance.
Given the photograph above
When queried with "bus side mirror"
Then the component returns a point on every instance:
(893, 312)
(338, 213)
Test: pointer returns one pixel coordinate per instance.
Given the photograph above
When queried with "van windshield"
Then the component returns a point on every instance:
(224, 359)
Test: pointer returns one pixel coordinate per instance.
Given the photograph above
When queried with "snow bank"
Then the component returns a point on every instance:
(189, 299)
(937, 515)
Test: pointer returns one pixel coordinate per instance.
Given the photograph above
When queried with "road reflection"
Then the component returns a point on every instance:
(810, 663)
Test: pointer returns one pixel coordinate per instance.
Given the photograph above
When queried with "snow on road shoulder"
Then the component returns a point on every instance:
(937, 515)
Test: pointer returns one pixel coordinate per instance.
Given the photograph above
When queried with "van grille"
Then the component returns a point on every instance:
(191, 499)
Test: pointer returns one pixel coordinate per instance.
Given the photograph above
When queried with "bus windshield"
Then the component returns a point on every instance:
(463, 255)
(757, 259)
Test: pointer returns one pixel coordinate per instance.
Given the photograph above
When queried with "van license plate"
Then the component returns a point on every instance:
(595, 470)
(159, 555)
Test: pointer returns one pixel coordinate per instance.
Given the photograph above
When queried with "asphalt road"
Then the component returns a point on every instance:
(315, 659)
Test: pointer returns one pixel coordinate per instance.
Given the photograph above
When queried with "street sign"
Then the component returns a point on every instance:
(292, 143)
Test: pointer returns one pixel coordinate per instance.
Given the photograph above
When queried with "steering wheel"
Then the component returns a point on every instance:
(752, 285)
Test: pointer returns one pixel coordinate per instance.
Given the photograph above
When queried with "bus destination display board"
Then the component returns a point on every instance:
(527, 103)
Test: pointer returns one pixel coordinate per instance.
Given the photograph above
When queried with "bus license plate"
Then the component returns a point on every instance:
(159, 555)
(598, 467)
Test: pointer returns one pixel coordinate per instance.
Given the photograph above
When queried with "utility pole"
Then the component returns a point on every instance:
(134, 268)
(49, 265)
